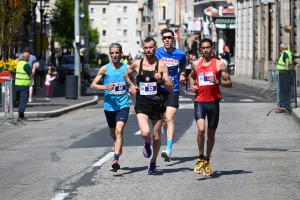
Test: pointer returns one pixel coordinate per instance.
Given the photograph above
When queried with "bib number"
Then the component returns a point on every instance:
(203, 78)
(148, 88)
(119, 88)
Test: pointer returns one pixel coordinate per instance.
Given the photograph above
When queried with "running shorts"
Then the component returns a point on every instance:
(209, 109)
(112, 117)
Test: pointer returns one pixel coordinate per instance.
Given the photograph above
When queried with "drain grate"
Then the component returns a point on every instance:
(264, 149)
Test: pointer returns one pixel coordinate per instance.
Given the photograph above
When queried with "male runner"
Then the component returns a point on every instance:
(151, 73)
(207, 72)
(175, 61)
(116, 103)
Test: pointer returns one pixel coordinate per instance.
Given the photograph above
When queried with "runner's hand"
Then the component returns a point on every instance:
(193, 89)
(133, 89)
(182, 78)
(157, 76)
(110, 86)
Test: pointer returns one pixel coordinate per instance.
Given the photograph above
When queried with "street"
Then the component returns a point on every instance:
(255, 156)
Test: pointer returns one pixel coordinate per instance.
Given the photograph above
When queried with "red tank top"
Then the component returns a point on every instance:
(207, 91)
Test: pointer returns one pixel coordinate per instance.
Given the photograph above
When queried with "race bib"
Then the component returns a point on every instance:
(119, 88)
(203, 78)
(148, 88)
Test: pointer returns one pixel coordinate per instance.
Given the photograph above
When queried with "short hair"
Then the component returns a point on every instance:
(149, 39)
(206, 40)
(25, 55)
(29, 50)
(115, 45)
(166, 30)
(284, 46)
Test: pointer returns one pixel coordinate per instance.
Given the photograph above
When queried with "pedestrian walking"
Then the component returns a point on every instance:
(24, 73)
(205, 80)
(41, 72)
(151, 74)
(116, 102)
(285, 63)
(49, 78)
(175, 60)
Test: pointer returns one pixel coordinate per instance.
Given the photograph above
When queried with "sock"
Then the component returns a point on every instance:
(169, 145)
(153, 161)
(116, 157)
(207, 159)
(201, 157)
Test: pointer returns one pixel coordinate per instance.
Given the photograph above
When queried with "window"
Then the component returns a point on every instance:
(92, 22)
(125, 44)
(119, 32)
(125, 21)
(103, 32)
(138, 33)
(104, 43)
(103, 10)
(92, 10)
(119, 9)
(103, 21)
(125, 9)
(124, 32)
(136, 21)
(163, 13)
(118, 21)
(137, 45)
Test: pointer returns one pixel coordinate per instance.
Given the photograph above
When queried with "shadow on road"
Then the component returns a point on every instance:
(217, 174)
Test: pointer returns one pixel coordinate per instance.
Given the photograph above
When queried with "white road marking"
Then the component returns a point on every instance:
(246, 100)
(60, 196)
(185, 99)
(104, 159)
(138, 132)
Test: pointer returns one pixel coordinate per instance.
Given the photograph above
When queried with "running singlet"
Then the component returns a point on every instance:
(173, 60)
(207, 91)
(117, 98)
(149, 89)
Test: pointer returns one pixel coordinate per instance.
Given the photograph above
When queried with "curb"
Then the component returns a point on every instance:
(58, 112)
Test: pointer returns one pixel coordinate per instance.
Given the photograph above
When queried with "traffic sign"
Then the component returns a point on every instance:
(5, 75)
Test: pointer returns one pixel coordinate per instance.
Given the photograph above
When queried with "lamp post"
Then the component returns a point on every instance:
(34, 26)
(43, 5)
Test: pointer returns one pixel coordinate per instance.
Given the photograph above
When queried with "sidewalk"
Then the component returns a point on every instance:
(58, 105)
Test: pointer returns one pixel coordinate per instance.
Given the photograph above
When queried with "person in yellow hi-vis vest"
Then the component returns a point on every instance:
(24, 73)
(284, 64)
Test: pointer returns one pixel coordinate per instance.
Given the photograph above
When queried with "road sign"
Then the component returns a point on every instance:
(4, 75)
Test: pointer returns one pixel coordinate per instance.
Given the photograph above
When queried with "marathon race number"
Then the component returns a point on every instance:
(203, 78)
(148, 88)
(119, 88)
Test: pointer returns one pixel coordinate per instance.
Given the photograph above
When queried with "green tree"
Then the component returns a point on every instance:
(64, 21)
(13, 14)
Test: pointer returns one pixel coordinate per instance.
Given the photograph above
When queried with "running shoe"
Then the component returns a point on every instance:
(152, 169)
(115, 166)
(206, 168)
(164, 130)
(147, 152)
(166, 154)
(199, 166)
(121, 150)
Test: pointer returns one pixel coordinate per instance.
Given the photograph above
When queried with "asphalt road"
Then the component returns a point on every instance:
(255, 156)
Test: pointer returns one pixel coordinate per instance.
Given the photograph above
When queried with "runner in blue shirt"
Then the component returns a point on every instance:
(175, 60)
(116, 102)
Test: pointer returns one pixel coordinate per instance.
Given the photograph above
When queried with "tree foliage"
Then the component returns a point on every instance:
(64, 21)
(13, 14)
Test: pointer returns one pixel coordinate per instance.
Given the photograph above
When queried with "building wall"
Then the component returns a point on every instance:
(114, 31)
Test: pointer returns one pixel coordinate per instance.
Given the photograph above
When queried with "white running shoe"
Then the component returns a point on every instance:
(166, 154)
(30, 100)
(164, 130)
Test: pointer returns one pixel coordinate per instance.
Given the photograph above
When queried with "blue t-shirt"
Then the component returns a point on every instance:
(174, 60)
(31, 60)
(118, 98)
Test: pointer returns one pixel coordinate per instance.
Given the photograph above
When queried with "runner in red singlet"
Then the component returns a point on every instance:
(204, 82)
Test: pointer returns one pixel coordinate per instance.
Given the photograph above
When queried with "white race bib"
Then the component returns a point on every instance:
(203, 78)
(119, 88)
(148, 88)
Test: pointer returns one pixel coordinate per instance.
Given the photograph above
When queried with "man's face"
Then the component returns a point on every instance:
(206, 49)
(149, 49)
(167, 39)
(115, 54)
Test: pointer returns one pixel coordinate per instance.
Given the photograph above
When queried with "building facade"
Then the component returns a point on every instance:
(116, 21)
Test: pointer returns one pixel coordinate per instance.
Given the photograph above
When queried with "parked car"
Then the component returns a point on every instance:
(67, 67)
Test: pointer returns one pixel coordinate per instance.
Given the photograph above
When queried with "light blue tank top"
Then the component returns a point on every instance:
(118, 98)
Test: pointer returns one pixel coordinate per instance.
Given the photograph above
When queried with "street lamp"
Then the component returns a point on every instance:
(34, 26)
(43, 6)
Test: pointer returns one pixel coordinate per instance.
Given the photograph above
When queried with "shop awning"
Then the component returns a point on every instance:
(225, 23)
(192, 38)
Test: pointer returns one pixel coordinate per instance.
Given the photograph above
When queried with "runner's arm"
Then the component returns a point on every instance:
(166, 81)
(129, 78)
(223, 72)
(193, 77)
(100, 74)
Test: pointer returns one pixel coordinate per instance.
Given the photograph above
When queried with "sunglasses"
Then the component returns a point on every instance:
(167, 37)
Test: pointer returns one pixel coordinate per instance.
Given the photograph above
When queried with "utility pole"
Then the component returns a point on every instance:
(76, 46)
